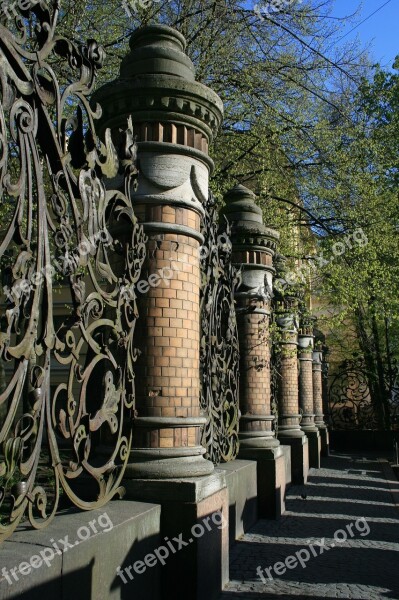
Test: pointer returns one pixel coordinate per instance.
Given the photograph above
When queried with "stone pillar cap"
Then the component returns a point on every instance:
(246, 216)
(157, 84)
(157, 49)
(240, 205)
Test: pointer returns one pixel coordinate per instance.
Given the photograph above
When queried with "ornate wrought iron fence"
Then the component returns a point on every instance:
(394, 398)
(275, 378)
(219, 351)
(60, 215)
(351, 405)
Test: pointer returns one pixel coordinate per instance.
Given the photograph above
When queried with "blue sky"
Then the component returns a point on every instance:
(381, 29)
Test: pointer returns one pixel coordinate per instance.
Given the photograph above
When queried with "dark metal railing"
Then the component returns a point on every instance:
(69, 439)
(219, 351)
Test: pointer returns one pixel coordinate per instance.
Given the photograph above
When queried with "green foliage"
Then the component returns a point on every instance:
(309, 125)
(355, 191)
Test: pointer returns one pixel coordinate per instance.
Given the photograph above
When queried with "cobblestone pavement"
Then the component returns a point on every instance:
(347, 490)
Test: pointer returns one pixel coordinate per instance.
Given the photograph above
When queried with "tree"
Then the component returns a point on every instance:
(356, 189)
(286, 82)
(272, 68)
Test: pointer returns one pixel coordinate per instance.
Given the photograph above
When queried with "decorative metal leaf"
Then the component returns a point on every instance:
(219, 351)
(60, 228)
(351, 405)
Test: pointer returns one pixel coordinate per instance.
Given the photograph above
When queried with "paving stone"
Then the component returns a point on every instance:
(349, 493)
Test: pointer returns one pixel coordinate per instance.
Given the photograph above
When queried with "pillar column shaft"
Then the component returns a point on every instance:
(289, 430)
(289, 416)
(306, 398)
(253, 331)
(305, 355)
(318, 402)
(325, 389)
(306, 388)
(253, 249)
(167, 372)
(317, 390)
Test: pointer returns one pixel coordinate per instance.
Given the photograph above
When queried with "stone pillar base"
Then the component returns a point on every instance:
(299, 457)
(168, 463)
(199, 565)
(287, 461)
(271, 480)
(314, 441)
(241, 479)
(325, 441)
(98, 564)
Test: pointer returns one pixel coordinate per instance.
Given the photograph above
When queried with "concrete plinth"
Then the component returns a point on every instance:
(287, 462)
(325, 442)
(314, 441)
(299, 457)
(196, 512)
(241, 479)
(78, 554)
(271, 479)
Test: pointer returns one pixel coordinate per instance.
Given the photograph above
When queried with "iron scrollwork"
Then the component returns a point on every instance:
(275, 378)
(219, 351)
(350, 403)
(392, 379)
(60, 214)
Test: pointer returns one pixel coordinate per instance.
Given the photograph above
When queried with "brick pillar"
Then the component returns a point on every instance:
(289, 430)
(325, 369)
(174, 119)
(318, 397)
(318, 386)
(289, 416)
(256, 419)
(254, 246)
(168, 424)
(305, 350)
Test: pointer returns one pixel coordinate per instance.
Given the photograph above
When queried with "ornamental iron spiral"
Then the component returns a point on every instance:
(219, 351)
(73, 437)
(350, 402)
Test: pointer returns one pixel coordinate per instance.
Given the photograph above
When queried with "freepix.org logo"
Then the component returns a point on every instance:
(265, 9)
(162, 553)
(9, 9)
(102, 524)
(133, 6)
(313, 550)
